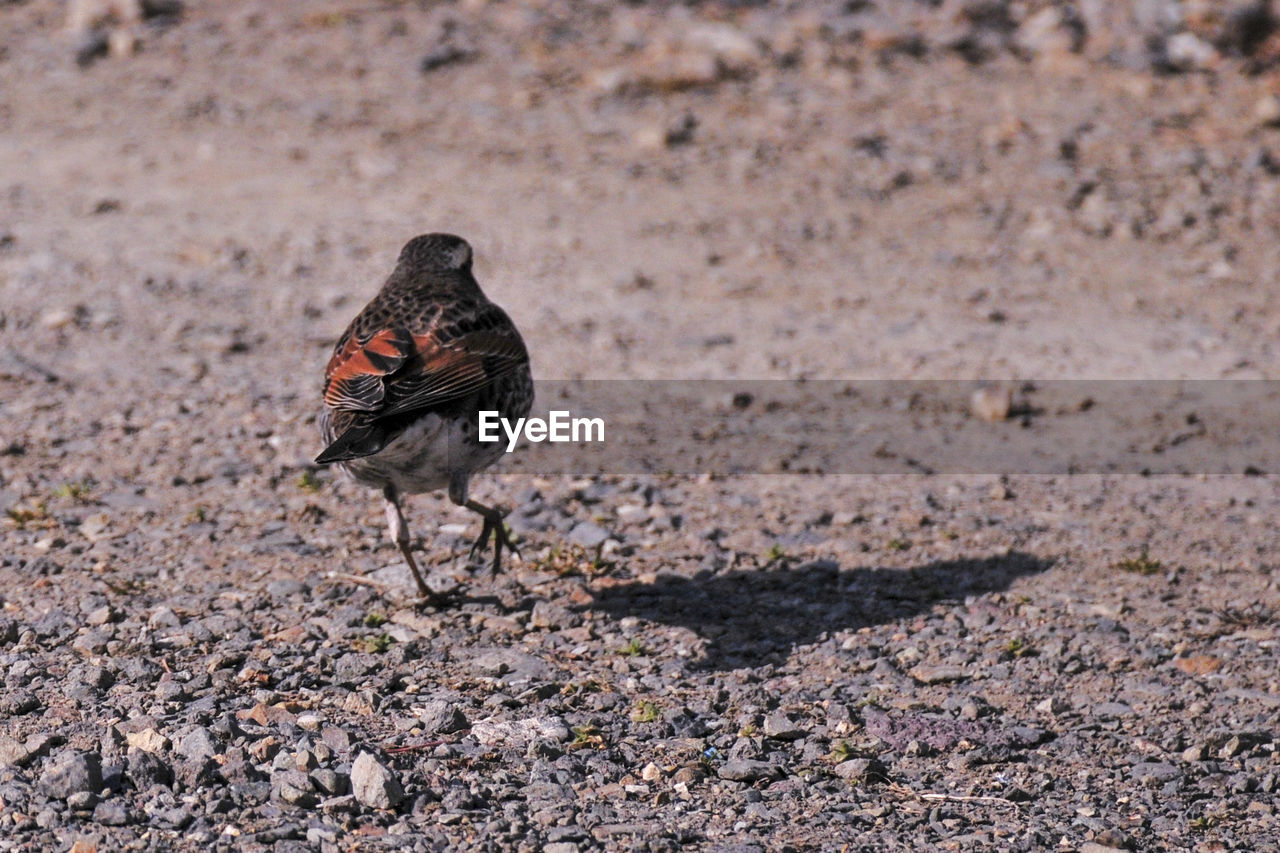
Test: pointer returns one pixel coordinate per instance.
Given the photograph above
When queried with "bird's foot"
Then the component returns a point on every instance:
(493, 525)
(436, 601)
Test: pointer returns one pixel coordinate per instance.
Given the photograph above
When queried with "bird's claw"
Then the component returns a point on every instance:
(493, 525)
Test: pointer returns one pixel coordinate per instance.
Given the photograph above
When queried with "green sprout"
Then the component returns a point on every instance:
(76, 491)
(1018, 647)
(375, 644)
(841, 752)
(1143, 564)
(586, 736)
(35, 515)
(645, 712)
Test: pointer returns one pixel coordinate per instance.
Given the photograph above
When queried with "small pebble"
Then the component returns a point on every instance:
(374, 784)
(991, 403)
(1267, 111)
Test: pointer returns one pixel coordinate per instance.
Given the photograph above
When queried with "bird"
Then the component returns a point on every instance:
(406, 383)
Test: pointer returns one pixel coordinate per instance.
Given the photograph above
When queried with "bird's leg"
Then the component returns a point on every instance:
(492, 524)
(399, 530)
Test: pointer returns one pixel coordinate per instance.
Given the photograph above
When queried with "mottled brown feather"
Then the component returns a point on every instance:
(428, 340)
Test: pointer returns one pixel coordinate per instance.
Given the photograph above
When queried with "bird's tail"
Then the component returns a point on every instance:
(361, 439)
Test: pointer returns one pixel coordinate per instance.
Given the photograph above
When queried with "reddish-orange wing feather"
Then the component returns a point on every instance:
(394, 372)
(354, 377)
(442, 373)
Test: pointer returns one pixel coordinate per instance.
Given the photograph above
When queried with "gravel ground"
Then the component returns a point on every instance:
(207, 642)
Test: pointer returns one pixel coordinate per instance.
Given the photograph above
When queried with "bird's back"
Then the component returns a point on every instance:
(429, 344)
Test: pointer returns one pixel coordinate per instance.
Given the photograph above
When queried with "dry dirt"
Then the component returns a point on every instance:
(201, 632)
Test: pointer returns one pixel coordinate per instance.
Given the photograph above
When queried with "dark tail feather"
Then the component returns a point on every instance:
(359, 440)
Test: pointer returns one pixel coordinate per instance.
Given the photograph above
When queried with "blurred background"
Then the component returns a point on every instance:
(966, 188)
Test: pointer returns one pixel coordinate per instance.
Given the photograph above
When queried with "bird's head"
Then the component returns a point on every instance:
(435, 253)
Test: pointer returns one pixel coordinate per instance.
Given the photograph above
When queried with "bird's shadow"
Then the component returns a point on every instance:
(758, 616)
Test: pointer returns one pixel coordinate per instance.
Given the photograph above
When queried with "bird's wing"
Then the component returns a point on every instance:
(456, 361)
(392, 371)
(355, 379)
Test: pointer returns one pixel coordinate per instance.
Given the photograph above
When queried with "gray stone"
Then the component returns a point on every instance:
(285, 587)
(100, 616)
(779, 726)
(331, 782)
(588, 534)
(177, 817)
(1242, 743)
(16, 702)
(196, 772)
(1186, 51)
(1046, 32)
(335, 738)
(112, 813)
(558, 834)
(861, 770)
(374, 784)
(561, 847)
(548, 614)
(1155, 773)
(518, 734)
(146, 769)
(70, 772)
(82, 801)
(197, 743)
(441, 717)
(1023, 736)
(318, 835)
(746, 770)
(95, 677)
(13, 752)
(297, 791)
(163, 617)
(512, 666)
(352, 668)
(939, 674)
(345, 803)
(170, 691)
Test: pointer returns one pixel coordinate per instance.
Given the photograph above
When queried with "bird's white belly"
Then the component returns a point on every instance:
(426, 456)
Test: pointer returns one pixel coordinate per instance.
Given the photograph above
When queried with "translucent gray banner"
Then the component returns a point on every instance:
(728, 427)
